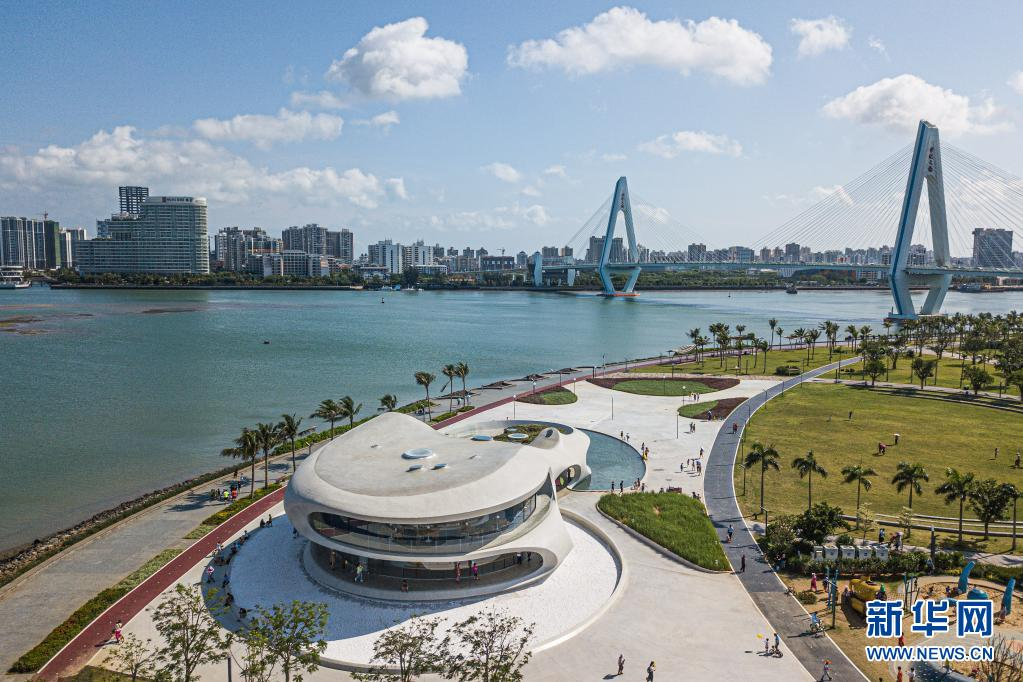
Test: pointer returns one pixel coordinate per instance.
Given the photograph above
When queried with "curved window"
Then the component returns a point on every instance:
(448, 537)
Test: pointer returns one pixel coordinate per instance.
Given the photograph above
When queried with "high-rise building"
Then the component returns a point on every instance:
(310, 238)
(792, 253)
(549, 251)
(67, 239)
(29, 243)
(596, 247)
(992, 248)
(341, 245)
(168, 237)
(565, 252)
(233, 246)
(416, 256)
(697, 253)
(51, 245)
(132, 198)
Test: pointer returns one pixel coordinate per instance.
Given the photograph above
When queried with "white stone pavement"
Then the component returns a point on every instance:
(695, 625)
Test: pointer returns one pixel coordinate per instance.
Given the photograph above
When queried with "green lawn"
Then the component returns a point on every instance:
(662, 387)
(554, 396)
(674, 521)
(949, 370)
(693, 410)
(775, 358)
(531, 430)
(935, 433)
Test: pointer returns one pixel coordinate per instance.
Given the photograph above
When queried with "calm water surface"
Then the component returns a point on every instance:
(108, 394)
(611, 461)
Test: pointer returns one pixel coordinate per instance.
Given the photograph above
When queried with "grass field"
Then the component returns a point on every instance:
(674, 521)
(697, 409)
(553, 396)
(949, 370)
(935, 433)
(662, 387)
(775, 359)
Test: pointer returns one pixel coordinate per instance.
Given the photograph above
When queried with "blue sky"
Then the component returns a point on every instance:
(485, 124)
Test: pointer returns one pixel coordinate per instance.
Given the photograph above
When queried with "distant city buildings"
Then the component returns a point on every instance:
(993, 248)
(33, 244)
(168, 237)
(131, 199)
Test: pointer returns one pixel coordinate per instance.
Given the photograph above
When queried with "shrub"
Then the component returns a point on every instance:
(807, 597)
(844, 539)
(239, 504)
(674, 521)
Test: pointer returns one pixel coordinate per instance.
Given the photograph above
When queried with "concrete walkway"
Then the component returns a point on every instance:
(787, 616)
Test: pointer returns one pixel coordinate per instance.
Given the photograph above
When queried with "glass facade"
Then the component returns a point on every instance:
(500, 567)
(449, 537)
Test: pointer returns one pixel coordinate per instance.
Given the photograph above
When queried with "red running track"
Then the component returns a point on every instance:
(89, 641)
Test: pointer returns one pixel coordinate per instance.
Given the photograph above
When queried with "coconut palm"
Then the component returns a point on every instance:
(909, 476)
(288, 429)
(450, 371)
(389, 401)
(811, 337)
(854, 333)
(463, 372)
(808, 466)
(772, 323)
(245, 448)
(348, 409)
(957, 486)
(767, 458)
(328, 412)
(268, 437)
(1012, 493)
(763, 345)
(424, 379)
(858, 474)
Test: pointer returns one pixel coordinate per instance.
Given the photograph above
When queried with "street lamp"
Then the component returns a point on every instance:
(515, 399)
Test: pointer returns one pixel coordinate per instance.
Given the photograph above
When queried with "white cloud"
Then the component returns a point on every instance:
(556, 170)
(624, 36)
(613, 158)
(398, 61)
(817, 36)
(500, 218)
(502, 171)
(324, 99)
(192, 167)
(396, 186)
(820, 193)
(531, 191)
(264, 131)
(899, 103)
(670, 146)
(536, 214)
(1016, 82)
(384, 120)
(878, 46)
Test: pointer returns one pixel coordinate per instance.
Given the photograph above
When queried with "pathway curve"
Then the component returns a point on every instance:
(786, 615)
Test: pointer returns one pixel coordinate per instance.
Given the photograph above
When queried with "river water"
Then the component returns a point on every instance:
(109, 394)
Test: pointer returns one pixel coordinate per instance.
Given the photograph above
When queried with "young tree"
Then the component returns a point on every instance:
(820, 521)
(388, 402)
(404, 653)
(247, 449)
(256, 659)
(134, 658)
(865, 520)
(328, 411)
(859, 475)
(424, 379)
(957, 486)
(923, 369)
(288, 429)
(874, 368)
(988, 500)
(767, 458)
(909, 476)
(348, 410)
(293, 635)
(268, 436)
(808, 466)
(780, 537)
(489, 647)
(191, 634)
(977, 377)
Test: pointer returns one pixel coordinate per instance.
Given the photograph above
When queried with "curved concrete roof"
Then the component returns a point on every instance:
(363, 473)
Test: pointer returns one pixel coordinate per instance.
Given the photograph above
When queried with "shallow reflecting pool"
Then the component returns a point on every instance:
(610, 460)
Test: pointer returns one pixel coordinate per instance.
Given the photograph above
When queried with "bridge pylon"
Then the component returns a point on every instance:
(925, 165)
(619, 204)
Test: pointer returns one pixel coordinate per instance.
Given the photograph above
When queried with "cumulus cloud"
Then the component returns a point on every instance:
(899, 103)
(536, 214)
(531, 191)
(264, 131)
(500, 218)
(817, 36)
(670, 146)
(190, 166)
(324, 99)
(624, 36)
(502, 171)
(396, 186)
(384, 120)
(1016, 82)
(556, 170)
(398, 62)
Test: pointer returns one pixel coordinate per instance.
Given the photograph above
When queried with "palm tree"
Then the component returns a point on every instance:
(853, 332)
(910, 475)
(811, 336)
(1013, 493)
(808, 466)
(450, 371)
(348, 409)
(694, 334)
(246, 448)
(767, 458)
(859, 474)
(463, 372)
(288, 428)
(268, 437)
(763, 346)
(772, 323)
(424, 379)
(327, 411)
(389, 401)
(957, 486)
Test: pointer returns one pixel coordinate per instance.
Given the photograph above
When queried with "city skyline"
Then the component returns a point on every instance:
(310, 132)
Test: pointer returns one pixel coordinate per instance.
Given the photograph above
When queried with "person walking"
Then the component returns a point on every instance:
(118, 636)
(826, 672)
(650, 670)
(742, 564)
(621, 664)
(731, 532)
(209, 574)
(777, 645)
(475, 571)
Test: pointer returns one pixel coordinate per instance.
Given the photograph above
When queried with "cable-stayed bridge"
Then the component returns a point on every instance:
(918, 242)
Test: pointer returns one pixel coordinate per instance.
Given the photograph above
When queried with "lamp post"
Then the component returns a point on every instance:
(515, 399)
(612, 405)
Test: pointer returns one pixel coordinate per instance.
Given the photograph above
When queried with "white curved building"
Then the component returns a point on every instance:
(415, 507)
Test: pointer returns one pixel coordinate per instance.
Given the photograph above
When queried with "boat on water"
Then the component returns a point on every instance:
(11, 278)
(791, 289)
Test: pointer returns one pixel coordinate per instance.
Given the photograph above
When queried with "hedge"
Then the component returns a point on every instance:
(86, 613)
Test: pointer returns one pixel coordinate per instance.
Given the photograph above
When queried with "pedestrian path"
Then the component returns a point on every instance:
(769, 593)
